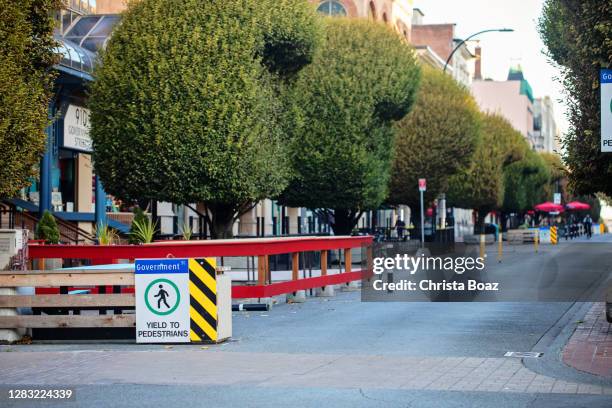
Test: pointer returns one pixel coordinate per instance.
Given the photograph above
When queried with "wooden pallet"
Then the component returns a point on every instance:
(76, 277)
(520, 236)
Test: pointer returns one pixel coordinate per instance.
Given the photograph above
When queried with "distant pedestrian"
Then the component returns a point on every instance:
(400, 225)
(588, 224)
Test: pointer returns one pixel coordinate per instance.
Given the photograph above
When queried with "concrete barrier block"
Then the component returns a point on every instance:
(298, 297)
(326, 291)
(352, 286)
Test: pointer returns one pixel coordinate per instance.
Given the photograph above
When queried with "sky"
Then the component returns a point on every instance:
(502, 50)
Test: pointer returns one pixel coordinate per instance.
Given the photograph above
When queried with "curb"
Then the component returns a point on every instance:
(552, 344)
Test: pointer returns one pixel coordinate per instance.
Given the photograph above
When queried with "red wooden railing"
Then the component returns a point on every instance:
(262, 248)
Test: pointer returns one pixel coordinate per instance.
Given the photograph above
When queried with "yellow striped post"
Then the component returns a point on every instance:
(500, 246)
(553, 235)
(203, 299)
(536, 239)
(482, 245)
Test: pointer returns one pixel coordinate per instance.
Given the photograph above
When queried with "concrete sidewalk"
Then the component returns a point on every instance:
(590, 347)
(186, 366)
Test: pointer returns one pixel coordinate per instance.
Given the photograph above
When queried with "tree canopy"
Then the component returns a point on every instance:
(344, 105)
(525, 183)
(26, 54)
(481, 184)
(558, 176)
(185, 106)
(435, 140)
(578, 38)
(593, 201)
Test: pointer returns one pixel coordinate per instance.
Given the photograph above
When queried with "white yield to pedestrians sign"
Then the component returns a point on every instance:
(605, 84)
(162, 300)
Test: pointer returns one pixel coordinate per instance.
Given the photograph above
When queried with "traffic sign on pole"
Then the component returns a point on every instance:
(422, 184)
(422, 188)
(162, 300)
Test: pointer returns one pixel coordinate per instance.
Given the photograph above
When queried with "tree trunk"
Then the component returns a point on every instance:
(222, 219)
(345, 220)
(479, 228)
(503, 220)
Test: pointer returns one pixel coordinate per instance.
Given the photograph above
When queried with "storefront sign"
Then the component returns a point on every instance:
(76, 129)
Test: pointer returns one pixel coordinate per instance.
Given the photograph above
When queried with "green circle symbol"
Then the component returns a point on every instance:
(173, 308)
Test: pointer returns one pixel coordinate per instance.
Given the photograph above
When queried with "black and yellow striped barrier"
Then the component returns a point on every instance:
(553, 235)
(203, 299)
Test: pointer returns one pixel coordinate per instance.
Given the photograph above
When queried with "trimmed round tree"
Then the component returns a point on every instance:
(343, 108)
(525, 183)
(434, 141)
(27, 51)
(185, 105)
(558, 176)
(481, 185)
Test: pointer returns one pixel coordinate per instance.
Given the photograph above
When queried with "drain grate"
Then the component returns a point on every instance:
(523, 354)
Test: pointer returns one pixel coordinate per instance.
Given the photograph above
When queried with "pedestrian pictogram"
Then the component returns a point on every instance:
(162, 297)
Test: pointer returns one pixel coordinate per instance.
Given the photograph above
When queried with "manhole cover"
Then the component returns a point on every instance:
(523, 354)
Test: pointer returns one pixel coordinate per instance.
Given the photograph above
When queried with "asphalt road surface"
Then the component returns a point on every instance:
(341, 352)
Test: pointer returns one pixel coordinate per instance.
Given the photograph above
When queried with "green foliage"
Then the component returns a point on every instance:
(435, 140)
(187, 232)
(481, 185)
(342, 110)
(525, 182)
(139, 218)
(593, 201)
(557, 170)
(47, 229)
(578, 38)
(143, 230)
(558, 175)
(106, 235)
(185, 106)
(26, 54)
(291, 35)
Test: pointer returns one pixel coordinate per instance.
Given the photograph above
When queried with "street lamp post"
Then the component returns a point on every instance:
(499, 30)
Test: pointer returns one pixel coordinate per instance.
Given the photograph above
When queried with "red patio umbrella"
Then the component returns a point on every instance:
(577, 206)
(549, 207)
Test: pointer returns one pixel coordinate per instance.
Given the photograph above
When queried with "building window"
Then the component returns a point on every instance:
(332, 8)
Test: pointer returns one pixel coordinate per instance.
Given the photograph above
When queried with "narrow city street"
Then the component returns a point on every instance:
(305, 203)
(341, 351)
